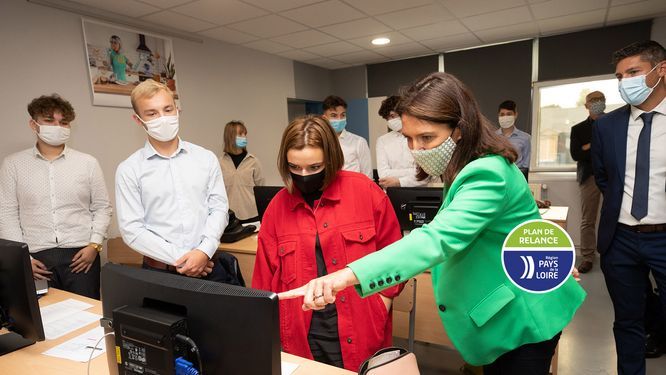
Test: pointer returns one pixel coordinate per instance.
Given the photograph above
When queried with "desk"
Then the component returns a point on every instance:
(29, 360)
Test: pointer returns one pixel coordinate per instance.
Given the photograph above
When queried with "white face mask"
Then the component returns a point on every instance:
(506, 122)
(163, 129)
(53, 135)
(395, 124)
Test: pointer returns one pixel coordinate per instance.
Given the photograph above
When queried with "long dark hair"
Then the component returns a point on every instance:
(441, 98)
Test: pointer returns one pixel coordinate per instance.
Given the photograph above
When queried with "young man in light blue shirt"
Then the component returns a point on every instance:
(521, 141)
(170, 197)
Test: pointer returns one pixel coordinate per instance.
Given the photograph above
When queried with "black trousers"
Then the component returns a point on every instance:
(529, 359)
(58, 260)
(225, 270)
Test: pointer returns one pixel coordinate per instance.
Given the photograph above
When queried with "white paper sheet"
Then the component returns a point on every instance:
(64, 317)
(79, 348)
(288, 368)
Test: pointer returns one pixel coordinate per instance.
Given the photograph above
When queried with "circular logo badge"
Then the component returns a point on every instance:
(538, 256)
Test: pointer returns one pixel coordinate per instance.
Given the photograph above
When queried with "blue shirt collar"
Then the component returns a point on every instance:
(149, 151)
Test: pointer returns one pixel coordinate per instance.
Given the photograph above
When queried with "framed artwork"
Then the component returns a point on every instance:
(120, 58)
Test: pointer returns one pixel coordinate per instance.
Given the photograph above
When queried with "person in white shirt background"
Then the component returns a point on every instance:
(395, 163)
(54, 199)
(170, 197)
(354, 148)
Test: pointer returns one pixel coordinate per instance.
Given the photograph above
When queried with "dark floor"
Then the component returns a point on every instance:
(586, 347)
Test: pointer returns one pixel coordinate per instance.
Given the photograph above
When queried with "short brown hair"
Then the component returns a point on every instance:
(441, 98)
(310, 131)
(388, 105)
(230, 131)
(649, 51)
(47, 105)
(333, 102)
(148, 89)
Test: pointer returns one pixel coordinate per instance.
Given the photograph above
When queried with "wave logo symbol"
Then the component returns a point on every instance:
(528, 262)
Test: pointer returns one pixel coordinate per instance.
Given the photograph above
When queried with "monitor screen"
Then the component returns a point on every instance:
(235, 328)
(415, 206)
(263, 196)
(18, 298)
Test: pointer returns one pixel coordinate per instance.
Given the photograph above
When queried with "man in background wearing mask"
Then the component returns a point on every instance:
(629, 160)
(54, 199)
(507, 114)
(172, 206)
(395, 163)
(355, 148)
(581, 138)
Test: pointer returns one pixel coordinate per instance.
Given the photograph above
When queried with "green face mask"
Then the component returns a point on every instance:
(435, 160)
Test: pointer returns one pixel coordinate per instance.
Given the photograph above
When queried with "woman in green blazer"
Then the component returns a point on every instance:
(489, 320)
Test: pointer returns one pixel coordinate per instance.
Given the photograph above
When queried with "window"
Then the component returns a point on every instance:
(559, 105)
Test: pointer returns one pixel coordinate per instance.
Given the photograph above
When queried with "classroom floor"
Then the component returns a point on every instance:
(586, 347)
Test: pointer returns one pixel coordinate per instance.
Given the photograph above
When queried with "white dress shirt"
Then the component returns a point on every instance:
(657, 190)
(168, 206)
(394, 159)
(59, 203)
(357, 153)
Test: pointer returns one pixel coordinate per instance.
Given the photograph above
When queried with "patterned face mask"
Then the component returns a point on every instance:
(434, 161)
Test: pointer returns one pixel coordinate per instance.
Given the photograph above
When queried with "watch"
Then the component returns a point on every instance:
(96, 246)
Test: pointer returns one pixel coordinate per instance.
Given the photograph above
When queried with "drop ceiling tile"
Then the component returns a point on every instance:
(322, 14)
(163, 4)
(178, 21)
(220, 12)
(416, 16)
(466, 8)
(435, 30)
(642, 10)
(280, 5)
(366, 41)
(509, 33)
(374, 7)
(228, 35)
(507, 18)
(555, 8)
(125, 7)
(585, 20)
(356, 28)
(299, 55)
(268, 46)
(405, 50)
(333, 49)
(330, 64)
(448, 43)
(268, 26)
(361, 57)
(304, 39)
(623, 2)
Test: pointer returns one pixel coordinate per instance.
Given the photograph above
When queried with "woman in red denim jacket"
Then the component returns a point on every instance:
(322, 220)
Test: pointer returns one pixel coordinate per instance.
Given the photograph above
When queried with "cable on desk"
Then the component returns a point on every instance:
(92, 350)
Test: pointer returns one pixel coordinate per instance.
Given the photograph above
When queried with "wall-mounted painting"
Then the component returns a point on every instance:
(120, 58)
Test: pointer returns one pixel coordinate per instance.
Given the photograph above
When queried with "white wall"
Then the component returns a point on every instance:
(43, 53)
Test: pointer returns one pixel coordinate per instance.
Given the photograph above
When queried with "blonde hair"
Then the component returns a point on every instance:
(230, 131)
(311, 131)
(148, 89)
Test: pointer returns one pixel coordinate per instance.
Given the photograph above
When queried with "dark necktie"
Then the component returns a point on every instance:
(639, 204)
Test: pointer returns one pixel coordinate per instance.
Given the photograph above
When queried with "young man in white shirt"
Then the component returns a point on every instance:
(54, 199)
(170, 197)
(395, 163)
(354, 148)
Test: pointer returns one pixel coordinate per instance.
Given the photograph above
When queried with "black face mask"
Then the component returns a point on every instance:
(310, 183)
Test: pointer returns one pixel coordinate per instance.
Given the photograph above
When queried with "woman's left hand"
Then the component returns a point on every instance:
(322, 291)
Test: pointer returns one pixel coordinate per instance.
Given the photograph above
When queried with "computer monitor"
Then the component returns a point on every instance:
(19, 310)
(415, 206)
(263, 196)
(235, 328)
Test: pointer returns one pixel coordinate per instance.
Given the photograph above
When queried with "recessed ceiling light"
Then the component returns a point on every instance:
(381, 41)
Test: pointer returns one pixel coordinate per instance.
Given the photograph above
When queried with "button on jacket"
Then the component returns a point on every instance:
(353, 218)
(483, 312)
(240, 182)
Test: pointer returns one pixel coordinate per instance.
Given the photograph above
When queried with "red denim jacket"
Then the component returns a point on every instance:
(353, 218)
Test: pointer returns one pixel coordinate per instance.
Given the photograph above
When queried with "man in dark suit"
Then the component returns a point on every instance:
(629, 160)
(581, 139)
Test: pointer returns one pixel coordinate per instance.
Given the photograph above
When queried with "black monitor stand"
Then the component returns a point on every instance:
(11, 341)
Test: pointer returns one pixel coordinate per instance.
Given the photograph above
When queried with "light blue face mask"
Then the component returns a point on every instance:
(241, 142)
(634, 90)
(338, 125)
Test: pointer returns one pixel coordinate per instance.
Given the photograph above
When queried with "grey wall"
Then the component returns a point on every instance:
(43, 53)
(350, 83)
(386, 79)
(311, 82)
